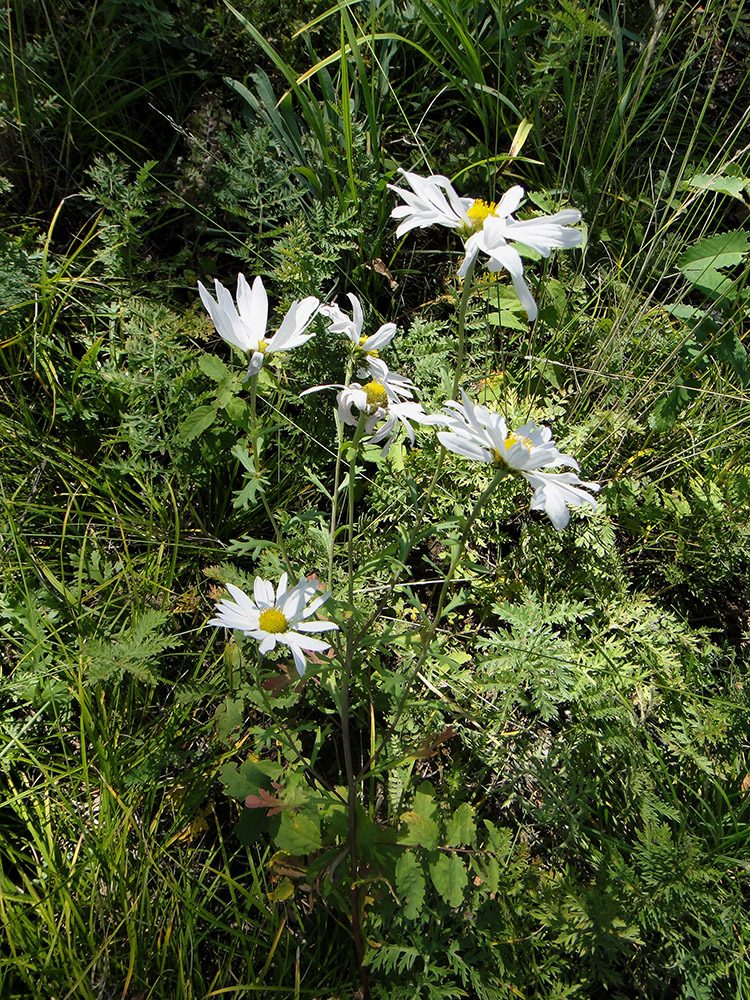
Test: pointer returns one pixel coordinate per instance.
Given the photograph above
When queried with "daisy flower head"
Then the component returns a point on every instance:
(364, 348)
(386, 399)
(279, 616)
(495, 229)
(477, 433)
(487, 227)
(244, 325)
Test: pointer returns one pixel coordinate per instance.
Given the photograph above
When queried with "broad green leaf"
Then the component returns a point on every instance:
(422, 826)
(299, 833)
(723, 183)
(214, 367)
(461, 829)
(700, 263)
(449, 877)
(197, 422)
(410, 884)
(228, 716)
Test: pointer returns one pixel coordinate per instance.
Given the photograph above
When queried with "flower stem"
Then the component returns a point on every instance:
(351, 780)
(254, 437)
(500, 473)
(336, 481)
(462, 308)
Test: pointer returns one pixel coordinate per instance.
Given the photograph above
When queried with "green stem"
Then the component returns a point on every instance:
(462, 308)
(336, 482)
(351, 781)
(500, 473)
(254, 436)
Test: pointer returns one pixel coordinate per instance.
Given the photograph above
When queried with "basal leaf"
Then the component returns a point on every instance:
(299, 832)
(449, 877)
(410, 884)
(422, 826)
(461, 829)
(701, 263)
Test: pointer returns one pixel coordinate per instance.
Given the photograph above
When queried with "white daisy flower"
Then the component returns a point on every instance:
(245, 325)
(487, 227)
(386, 398)
(363, 347)
(495, 227)
(278, 617)
(477, 433)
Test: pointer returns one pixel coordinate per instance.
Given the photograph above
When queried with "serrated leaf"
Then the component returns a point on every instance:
(422, 826)
(701, 263)
(449, 877)
(228, 716)
(198, 421)
(214, 367)
(299, 833)
(461, 829)
(410, 884)
(721, 183)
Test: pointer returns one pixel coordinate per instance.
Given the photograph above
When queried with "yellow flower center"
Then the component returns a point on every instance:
(479, 212)
(514, 438)
(262, 345)
(369, 354)
(272, 620)
(376, 394)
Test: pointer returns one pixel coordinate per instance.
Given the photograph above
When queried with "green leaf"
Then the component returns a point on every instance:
(197, 422)
(728, 182)
(228, 716)
(449, 877)
(488, 869)
(410, 884)
(461, 829)
(420, 820)
(214, 367)
(700, 263)
(299, 833)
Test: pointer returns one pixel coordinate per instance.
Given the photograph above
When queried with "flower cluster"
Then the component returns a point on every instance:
(383, 402)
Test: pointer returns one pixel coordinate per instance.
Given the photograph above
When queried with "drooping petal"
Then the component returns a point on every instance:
(463, 445)
(267, 643)
(299, 660)
(508, 258)
(556, 492)
(304, 642)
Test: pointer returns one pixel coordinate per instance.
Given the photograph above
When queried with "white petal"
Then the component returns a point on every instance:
(315, 626)
(304, 642)
(462, 445)
(299, 661)
(268, 643)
